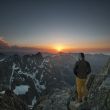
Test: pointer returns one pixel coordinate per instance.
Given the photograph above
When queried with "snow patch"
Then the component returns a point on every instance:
(2, 92)
(13, 69)
(21, 90)
(54, 78)
(42, 87)
(37, 84)
(2, 59)
(33, 101)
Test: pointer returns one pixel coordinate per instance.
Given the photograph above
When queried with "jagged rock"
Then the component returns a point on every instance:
(42, 76)
(79, 106)
(16, 71)
(56, 101)
(90, 80)
(99, 93)
(10, 101)
(9, 93)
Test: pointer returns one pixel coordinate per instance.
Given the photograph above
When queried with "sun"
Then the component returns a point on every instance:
(59, 48)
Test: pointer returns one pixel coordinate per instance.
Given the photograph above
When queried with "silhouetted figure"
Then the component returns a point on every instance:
(82, 69)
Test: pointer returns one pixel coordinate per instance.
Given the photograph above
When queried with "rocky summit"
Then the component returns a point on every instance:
(99, 92)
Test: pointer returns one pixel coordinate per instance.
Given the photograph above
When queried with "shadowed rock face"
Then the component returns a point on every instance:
(99, 93)
(18, 72)
(55, 101)
(9, 101)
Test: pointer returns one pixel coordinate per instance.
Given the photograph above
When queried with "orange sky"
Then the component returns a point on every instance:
(62, 48)
(97, 46)
(84, 46)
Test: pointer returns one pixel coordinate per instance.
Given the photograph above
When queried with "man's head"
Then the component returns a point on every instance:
(81, 56)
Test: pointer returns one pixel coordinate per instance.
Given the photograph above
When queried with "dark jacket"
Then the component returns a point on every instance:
(82, 69)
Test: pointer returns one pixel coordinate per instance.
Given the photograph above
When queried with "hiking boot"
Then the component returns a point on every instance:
(78, 100)
(84, 99)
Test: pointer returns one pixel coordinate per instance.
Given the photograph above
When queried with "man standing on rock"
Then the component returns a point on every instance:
(81, 70)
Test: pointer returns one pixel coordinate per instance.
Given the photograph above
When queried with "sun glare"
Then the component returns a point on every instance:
(59, 48)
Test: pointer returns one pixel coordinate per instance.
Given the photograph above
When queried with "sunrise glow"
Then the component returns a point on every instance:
(59, 48)
(54, 26)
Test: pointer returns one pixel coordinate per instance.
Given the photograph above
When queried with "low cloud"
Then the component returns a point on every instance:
(3, 43)
(6, 47)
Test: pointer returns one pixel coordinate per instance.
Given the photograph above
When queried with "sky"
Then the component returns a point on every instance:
(73, 25)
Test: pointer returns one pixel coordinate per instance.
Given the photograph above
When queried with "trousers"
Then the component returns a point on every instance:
(81, 88)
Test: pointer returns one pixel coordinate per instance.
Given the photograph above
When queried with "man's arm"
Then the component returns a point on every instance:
(75, 68)
(89, 68)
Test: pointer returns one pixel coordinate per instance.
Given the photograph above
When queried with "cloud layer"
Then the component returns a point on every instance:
(3, 43)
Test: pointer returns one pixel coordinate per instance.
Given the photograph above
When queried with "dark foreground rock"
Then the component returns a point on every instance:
(10, 101)
(55, 101)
